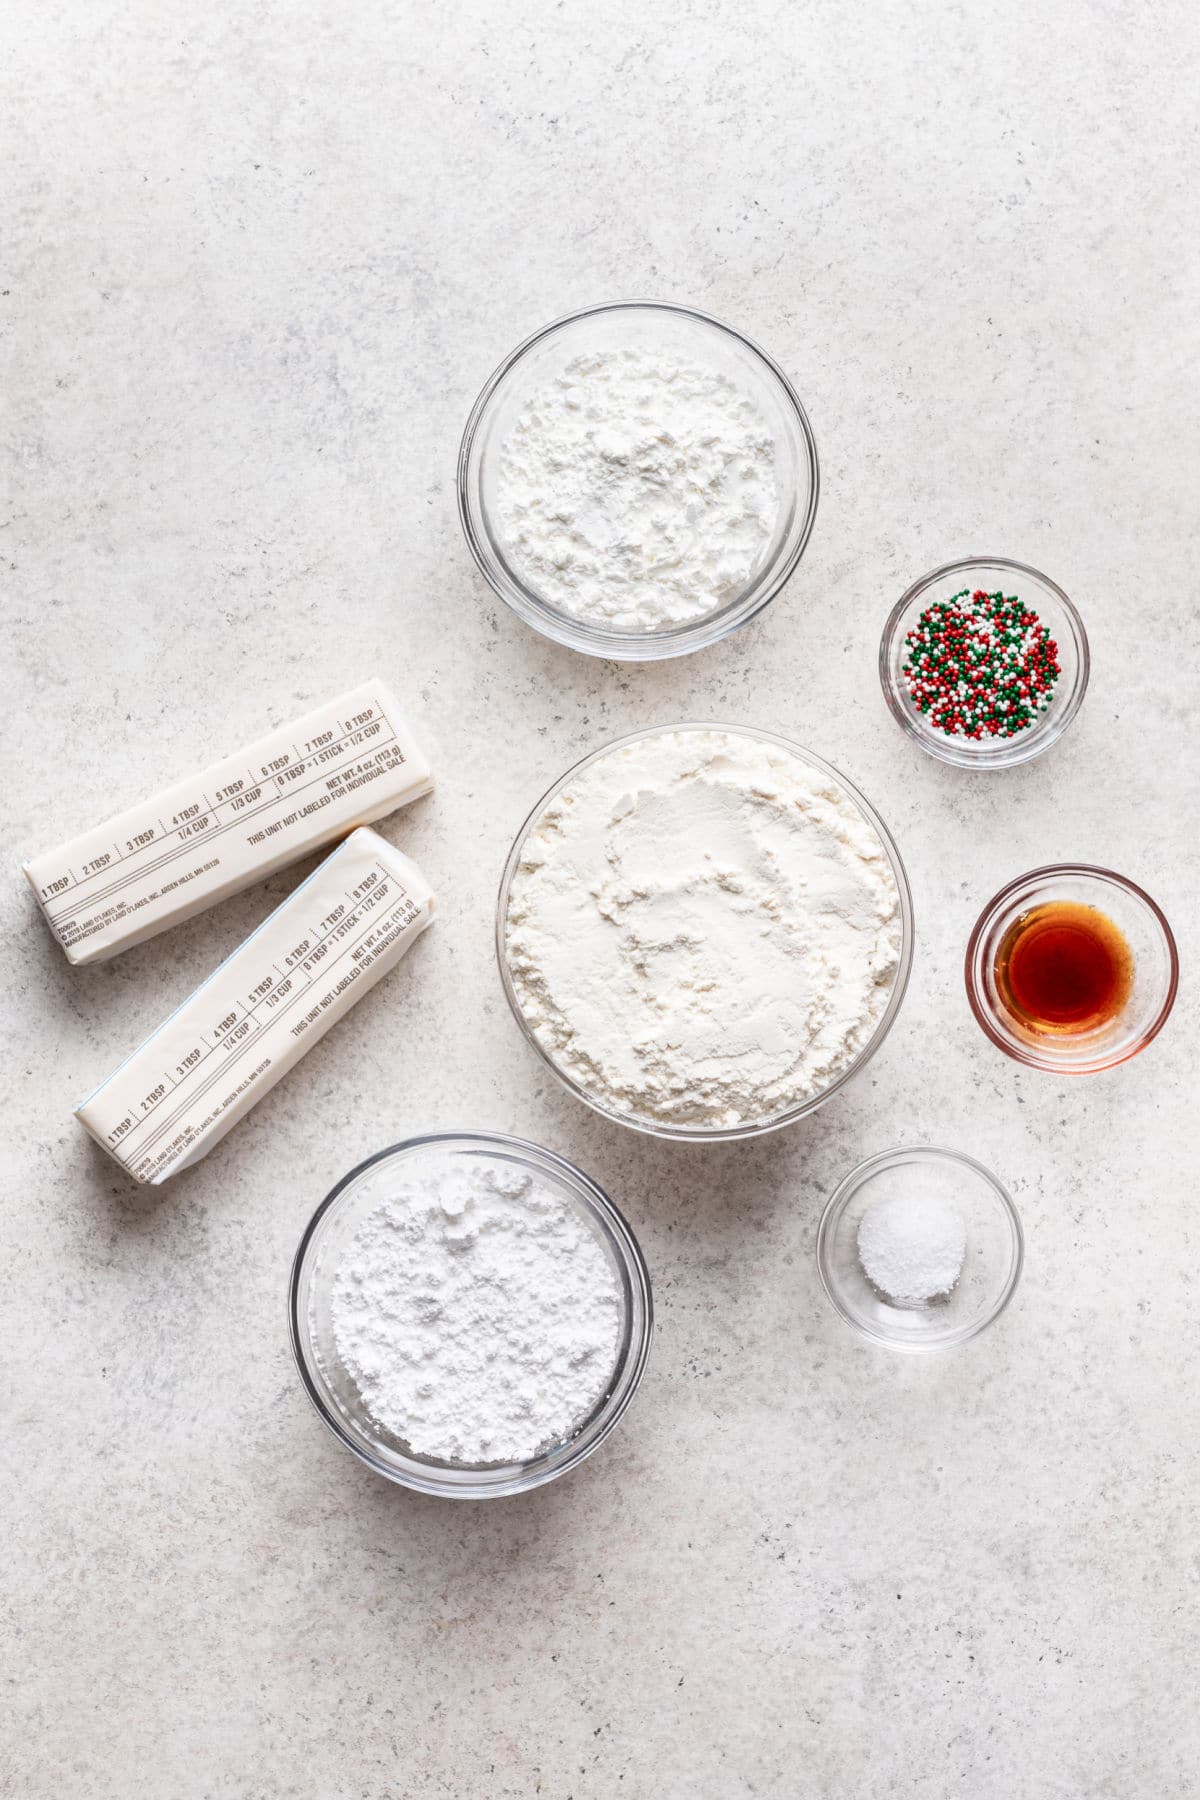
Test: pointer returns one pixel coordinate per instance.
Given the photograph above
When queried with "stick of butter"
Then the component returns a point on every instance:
(350, 762)
(244, 1028)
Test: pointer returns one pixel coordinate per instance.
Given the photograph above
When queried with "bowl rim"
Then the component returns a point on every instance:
(576, 634)
(983, 1014)
(627, 1374)
(1010, 752)
(863, 1172)
(732, 1133)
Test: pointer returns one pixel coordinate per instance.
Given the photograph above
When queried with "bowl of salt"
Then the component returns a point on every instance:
(920, 1248)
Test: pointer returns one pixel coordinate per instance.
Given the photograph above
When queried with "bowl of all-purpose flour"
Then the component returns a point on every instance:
(637, 480)
(470, 1314)
(704, 930)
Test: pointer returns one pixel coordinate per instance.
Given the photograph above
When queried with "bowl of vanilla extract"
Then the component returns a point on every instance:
(1072, 968)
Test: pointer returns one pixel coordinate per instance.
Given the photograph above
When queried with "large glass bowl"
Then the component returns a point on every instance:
(754, 1128)
(678, 331)
(333, 1390)
(1054, 610)
(1155, 970)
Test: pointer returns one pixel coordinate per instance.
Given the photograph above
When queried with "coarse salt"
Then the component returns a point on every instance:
(912, 1246)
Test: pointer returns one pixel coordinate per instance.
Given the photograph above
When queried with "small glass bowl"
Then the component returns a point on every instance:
(678, 331)
(991, 1268)
(757, 1128)
(1155, 969)
(1056, 613)
(335, 1394)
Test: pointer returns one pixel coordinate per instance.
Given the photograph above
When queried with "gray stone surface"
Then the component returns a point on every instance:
(258, 261)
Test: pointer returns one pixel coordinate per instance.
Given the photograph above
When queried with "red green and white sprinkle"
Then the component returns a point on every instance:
(980, 665)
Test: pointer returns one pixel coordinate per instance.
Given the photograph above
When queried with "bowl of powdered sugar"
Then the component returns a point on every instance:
(470, 1314)
(637, 480)
(705, 931)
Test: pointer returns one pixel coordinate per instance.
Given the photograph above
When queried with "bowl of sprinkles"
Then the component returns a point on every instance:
(985, 662)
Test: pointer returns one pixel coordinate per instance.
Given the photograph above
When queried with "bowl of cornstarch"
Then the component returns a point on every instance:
(469, 1314)
(920, 1249)
(637, 480)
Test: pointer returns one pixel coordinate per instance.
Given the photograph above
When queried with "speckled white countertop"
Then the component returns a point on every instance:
(258, 262)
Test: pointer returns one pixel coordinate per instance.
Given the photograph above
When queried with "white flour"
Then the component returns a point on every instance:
(912, 1246)
(703, 930)
(636, 491)
(477, 1312)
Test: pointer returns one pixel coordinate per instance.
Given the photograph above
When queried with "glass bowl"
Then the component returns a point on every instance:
(992, 1266)
(678, 331)
(1155, 969)
(755, 1128)
(1056, 613)
(333, 1391)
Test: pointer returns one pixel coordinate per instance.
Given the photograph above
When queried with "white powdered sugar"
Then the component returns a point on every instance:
(637, 491)
(477, 1312)
(703, 930)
